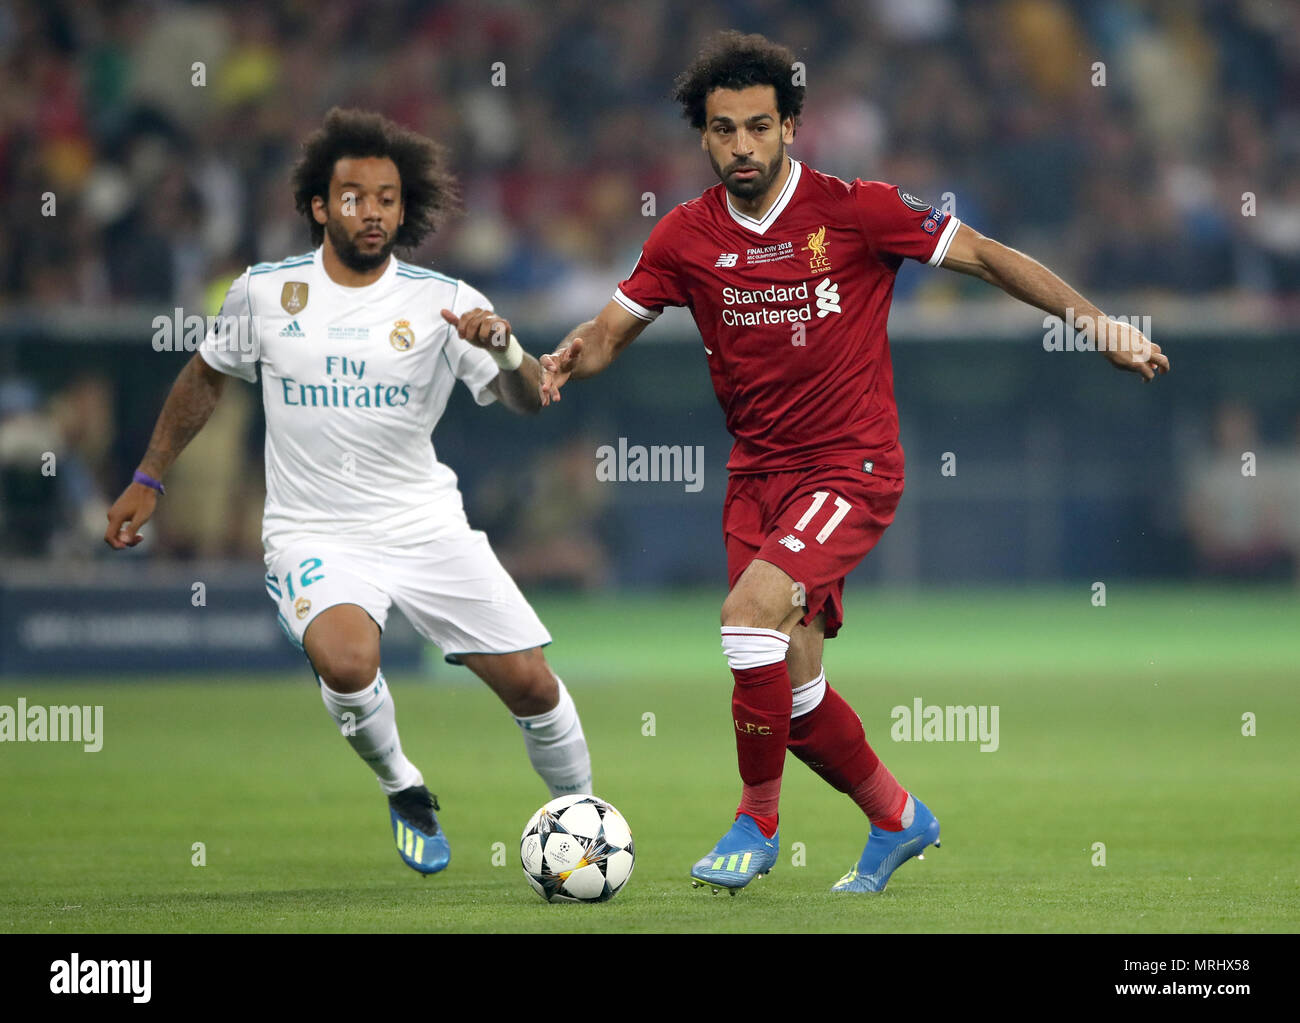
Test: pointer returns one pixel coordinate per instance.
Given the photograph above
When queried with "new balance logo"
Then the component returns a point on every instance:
(293, 330)
(828, 298)
(727, 259)
(793, 542)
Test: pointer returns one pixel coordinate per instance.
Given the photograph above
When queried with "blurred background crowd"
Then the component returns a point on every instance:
(164, 186)
(1139, 147)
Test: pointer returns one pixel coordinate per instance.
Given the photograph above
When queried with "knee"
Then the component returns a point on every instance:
(737, 610)
(348, 670)
(535, 691)
(742, 610)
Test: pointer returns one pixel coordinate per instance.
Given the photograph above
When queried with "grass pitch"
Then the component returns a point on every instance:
(1120, 725)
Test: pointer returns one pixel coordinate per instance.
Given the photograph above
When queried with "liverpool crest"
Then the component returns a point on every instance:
(818, 262)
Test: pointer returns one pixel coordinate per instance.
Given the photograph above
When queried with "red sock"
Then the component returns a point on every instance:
(830, 740)
(760, 708)
(882, 799)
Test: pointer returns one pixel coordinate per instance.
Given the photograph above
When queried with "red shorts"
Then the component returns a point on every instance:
(815, 525)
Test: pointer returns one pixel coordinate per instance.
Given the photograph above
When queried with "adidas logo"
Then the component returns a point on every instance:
(293, 330)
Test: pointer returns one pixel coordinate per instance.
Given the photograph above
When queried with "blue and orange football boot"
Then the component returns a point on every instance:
(420, 841)
(741, 855)
(886, 851)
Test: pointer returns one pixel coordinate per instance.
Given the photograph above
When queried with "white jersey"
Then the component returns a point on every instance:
(354, 381)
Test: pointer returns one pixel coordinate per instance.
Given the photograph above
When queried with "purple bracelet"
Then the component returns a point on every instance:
(148, 481)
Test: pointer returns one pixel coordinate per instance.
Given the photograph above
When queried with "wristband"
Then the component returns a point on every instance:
(148, 481)
(511, 358)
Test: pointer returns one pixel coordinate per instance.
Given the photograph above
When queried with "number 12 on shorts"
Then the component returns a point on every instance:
(309, 565)
(819, 498)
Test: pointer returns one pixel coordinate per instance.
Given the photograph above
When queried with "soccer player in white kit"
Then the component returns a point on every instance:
(359, 352)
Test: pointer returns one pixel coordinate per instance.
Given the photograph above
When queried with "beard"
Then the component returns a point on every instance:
(755, 186)
(350, 255)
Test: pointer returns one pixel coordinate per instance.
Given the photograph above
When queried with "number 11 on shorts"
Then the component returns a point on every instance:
(819, 498)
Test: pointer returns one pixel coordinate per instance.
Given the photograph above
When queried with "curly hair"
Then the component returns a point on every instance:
(429, 190)
(733, 60)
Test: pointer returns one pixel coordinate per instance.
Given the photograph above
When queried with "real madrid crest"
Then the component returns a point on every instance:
(301, 606)
(293, 297)
(402, 336)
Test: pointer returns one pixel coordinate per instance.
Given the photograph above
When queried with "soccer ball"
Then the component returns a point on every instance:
(577, 849)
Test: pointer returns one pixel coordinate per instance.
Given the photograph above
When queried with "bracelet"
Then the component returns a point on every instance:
(511, 358)
(148, 481)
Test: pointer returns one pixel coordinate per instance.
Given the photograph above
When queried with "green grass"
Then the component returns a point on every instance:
(1120, 725)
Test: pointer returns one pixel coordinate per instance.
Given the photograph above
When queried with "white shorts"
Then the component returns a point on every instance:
(452, 589)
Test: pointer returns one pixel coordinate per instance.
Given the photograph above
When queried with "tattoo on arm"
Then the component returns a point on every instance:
(189, 405)
(519, 390)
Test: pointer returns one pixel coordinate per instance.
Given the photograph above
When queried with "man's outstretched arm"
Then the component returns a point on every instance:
(189, 405)
(589, 348)
(1028, 280)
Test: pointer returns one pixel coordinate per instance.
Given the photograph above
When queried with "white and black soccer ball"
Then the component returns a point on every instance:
(577, 849)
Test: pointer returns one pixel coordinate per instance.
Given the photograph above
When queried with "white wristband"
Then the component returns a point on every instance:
(511, 358)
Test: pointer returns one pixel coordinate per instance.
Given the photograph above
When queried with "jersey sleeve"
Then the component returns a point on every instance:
(654, 282)
(473, 366)
(899, 224)
(232, 345)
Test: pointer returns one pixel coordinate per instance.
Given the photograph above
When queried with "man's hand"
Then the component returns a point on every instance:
(481, 328)
(518, 380)
(589, 348)
(129, 512)
(556, 369)
(1128, 349)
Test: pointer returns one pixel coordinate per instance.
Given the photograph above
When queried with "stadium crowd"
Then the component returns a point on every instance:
(1140, 147)
(165, 132)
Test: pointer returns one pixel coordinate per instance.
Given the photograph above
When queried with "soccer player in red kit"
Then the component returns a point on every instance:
(789, 273)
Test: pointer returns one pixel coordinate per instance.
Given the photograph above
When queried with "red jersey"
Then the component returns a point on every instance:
(792, 310)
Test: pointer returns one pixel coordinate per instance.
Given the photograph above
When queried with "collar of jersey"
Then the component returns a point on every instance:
(782, 201)
(390, 271)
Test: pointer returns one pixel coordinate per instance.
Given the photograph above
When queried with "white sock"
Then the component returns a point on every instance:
(368, 721)
(808, 696)
(557, 748)
(753, 647)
